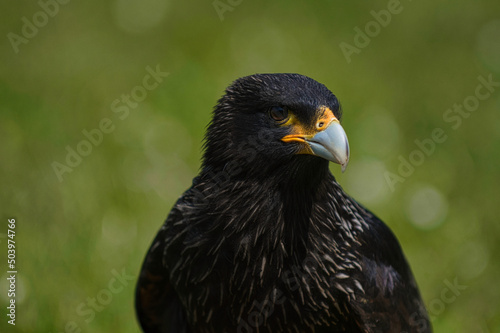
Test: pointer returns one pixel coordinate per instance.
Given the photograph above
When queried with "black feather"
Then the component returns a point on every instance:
(266, 240)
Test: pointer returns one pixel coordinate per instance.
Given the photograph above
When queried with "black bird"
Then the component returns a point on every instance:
(266, 240)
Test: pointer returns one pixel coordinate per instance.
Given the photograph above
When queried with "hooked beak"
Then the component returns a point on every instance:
(331, 144)
(328, 139)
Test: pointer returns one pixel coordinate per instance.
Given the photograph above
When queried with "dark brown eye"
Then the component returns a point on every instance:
(278, 114)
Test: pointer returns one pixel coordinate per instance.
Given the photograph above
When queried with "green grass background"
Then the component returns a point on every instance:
(72, 234)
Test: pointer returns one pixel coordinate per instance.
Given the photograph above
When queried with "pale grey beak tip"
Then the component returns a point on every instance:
(332, 145)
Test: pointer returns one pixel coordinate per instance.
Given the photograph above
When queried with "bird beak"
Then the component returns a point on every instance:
(327, 140)
(331, 144)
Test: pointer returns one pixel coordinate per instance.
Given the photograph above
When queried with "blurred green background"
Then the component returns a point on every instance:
(77, 231)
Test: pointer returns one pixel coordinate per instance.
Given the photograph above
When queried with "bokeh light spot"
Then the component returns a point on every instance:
(474, 258)
(365, 181)
(488, 44)
(426, 207)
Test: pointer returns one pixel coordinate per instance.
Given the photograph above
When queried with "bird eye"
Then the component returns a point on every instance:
(279, 114)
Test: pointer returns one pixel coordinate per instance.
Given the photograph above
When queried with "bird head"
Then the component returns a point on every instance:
(276, 118)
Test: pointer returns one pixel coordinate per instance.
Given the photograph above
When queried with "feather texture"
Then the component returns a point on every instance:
(266, 240)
